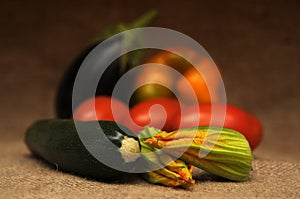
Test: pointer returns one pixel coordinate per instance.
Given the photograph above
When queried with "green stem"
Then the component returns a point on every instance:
(145, 19)
(142, 21)
(128, 60)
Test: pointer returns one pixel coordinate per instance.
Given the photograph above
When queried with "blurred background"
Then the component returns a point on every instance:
(256, 45)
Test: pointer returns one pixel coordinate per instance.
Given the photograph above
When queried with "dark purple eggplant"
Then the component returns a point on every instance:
(105, 86)
(113, 72)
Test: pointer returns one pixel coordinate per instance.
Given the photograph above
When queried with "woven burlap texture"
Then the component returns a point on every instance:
(23, 176)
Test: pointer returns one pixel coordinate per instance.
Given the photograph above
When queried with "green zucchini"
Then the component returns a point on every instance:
(57, 142)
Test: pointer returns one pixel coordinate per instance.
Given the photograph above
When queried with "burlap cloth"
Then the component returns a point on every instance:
(22, 176)
(255, 43)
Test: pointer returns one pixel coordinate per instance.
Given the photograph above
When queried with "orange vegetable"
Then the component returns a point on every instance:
(203, 86)
(197, 83)
(170, 59)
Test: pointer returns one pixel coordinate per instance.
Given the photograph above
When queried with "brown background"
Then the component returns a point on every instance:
(256, 44)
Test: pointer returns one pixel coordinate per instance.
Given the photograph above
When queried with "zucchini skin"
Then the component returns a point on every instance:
(56, 141)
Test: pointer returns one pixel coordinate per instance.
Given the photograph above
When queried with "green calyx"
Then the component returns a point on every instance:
(133, 58)
(142, 21)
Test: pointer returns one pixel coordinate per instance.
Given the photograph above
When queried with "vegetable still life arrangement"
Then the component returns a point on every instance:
(156, 134)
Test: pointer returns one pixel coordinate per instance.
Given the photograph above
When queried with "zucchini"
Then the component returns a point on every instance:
(57, 142)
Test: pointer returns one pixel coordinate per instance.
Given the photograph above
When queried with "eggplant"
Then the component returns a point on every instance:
(113, 72)
(63, 101)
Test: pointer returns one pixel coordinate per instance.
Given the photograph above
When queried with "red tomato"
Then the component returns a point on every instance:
(155, 112)
(227, 116)
(106, 108)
